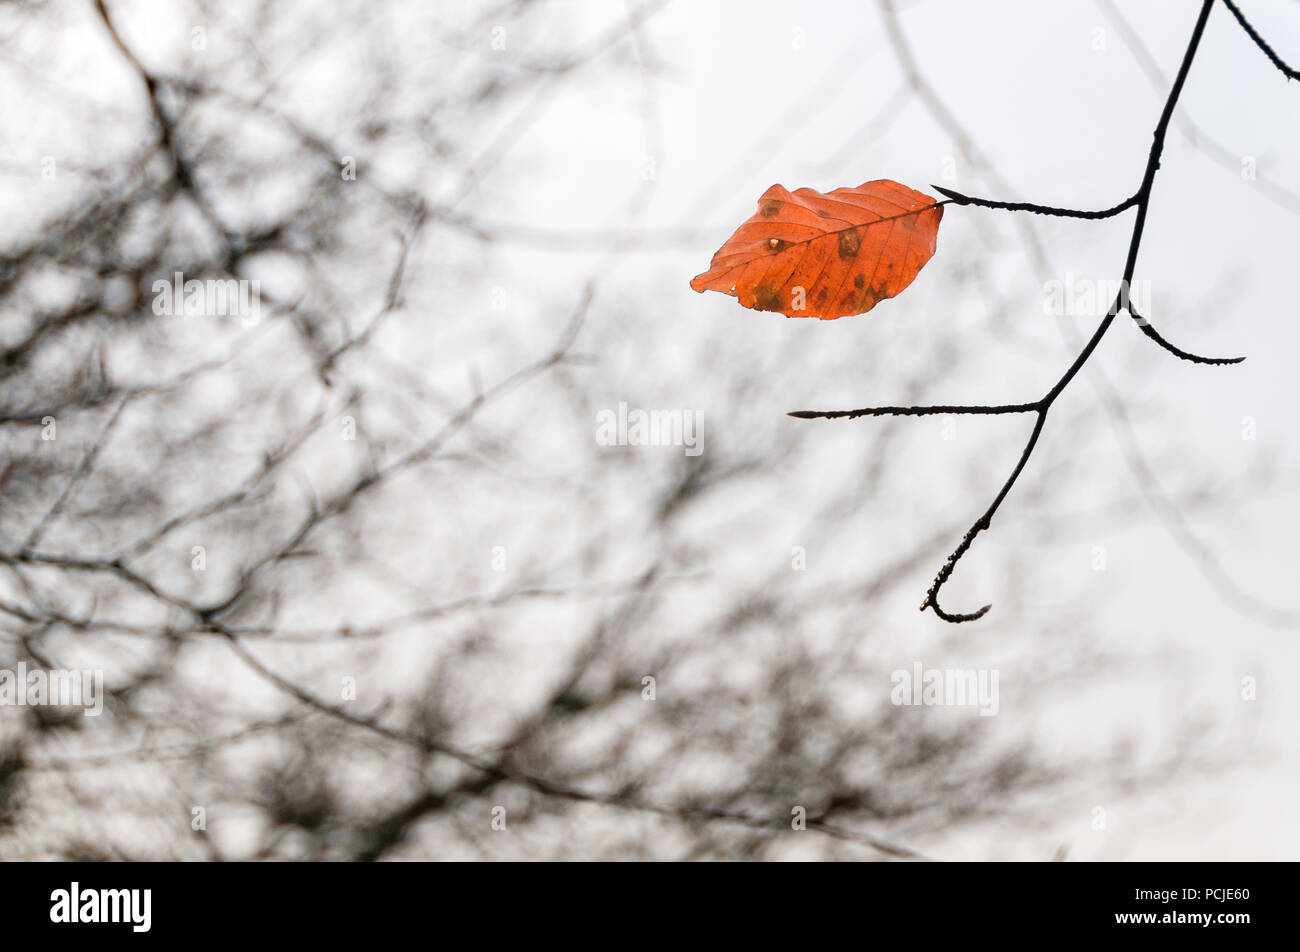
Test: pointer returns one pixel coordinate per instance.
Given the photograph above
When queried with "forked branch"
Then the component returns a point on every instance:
(1140, 200)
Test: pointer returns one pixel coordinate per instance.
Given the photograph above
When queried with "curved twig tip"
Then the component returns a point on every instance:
(956, 618)
(1145, 327)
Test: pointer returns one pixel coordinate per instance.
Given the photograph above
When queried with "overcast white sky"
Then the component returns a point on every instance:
(747, 94)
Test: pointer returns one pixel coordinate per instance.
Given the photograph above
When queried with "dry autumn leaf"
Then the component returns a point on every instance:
(805, 254)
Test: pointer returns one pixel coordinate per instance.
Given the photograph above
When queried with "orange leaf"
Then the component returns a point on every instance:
(806, 254)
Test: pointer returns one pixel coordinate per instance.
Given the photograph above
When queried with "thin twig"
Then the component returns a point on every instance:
(961, 199)
(1260, 41)
(1145, 326)
(938, 410)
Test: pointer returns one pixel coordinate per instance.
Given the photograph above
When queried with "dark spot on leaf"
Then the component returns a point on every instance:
(859, 280)
(767, 298)
(823, 213)
(770, 207)
(849, 244)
